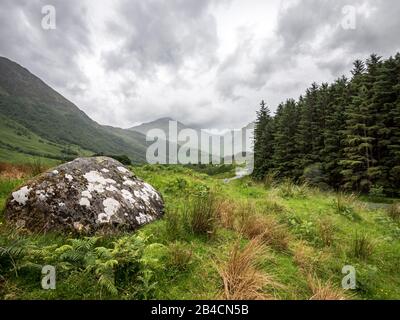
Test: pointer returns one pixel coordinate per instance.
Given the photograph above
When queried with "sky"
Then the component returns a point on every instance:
(206, 63)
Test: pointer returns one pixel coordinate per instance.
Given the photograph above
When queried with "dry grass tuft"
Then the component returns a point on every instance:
(394, 211)
(242, 280)
(226, 214)
(326, 231)
(246, 220)
(304, 257)
(324, 291)
(269, 230)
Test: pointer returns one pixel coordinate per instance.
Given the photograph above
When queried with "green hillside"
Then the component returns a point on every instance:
(28, 101)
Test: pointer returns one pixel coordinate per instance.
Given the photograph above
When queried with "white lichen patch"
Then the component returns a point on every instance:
(111, 207)
(61, 204)
(111, 188)
(103, 218)
(143, 218)
(55, 172)
(128, 196)
(69, 177)
(87, 194)
(21, 196)
(96, 181)
(150, 190)
(41, 195)
(84, 202)
(129, 182)
(105, 170)
(123, 170)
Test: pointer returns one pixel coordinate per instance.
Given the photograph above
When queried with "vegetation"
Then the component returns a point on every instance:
(249, 242)
(345, 135)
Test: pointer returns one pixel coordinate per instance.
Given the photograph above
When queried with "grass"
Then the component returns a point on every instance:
(241, 276)
(293, 245)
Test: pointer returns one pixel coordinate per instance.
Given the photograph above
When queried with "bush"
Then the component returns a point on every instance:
(377, 191)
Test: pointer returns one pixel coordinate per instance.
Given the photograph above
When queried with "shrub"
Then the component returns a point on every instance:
(377, 191)
(362, 246)
(241, 278)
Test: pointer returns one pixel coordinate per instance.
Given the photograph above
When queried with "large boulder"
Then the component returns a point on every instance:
(86, 195)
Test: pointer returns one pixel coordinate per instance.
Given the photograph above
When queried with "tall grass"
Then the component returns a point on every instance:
(362, 247)
(246, 219)
(344, 204)
(394, 211)
(324, 291)
(288, 189)
(240, 275)
(198, 216)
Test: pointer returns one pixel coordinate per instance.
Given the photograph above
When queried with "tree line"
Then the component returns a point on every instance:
(345, 135)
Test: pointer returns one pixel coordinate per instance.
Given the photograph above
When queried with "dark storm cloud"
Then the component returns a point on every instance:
(47, 53)
(161, 33)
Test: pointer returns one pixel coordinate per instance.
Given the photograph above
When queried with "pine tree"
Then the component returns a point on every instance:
(263, 142)
(285, 147)
(333, 151)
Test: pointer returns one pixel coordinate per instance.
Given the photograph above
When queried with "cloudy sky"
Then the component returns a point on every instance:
(204, 62)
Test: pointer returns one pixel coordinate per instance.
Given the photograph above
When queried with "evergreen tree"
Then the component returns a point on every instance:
(347, 132)
(285, 147)
(263, 142)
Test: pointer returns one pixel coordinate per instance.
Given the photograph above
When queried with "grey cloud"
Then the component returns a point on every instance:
(47, 53)
(159, 33)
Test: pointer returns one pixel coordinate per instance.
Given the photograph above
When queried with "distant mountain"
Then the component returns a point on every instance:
(162, 123)
(244, 145)
(36, 110)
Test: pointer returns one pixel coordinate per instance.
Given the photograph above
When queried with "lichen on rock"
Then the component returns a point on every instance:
(86, 195)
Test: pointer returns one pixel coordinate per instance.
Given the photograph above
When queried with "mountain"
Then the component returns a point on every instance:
(30, 109)
(162, 123)
(246, 145)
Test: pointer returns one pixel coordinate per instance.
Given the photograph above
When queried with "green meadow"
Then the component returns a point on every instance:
(236, 240)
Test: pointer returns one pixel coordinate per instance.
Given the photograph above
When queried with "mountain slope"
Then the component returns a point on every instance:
(28, 101)
(162, 123)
